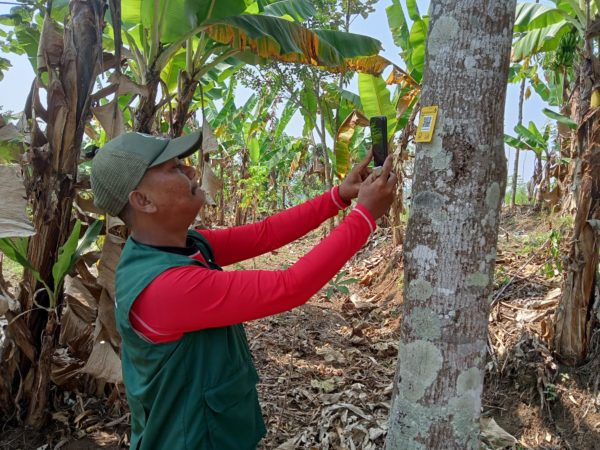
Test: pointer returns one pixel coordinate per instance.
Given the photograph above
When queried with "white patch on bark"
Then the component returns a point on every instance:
(420, 289)
(489, 219)
(445, 291)
(425, 324)
(425, 258)
(470, 63)
(491, 256)
(443, 33)
(430, 204)
(420, 363)
(477, 279)
(440, 158)
(492, 196)
(467, 381)
(464, 408)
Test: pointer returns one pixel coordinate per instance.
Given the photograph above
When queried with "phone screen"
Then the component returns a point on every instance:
(379, 139)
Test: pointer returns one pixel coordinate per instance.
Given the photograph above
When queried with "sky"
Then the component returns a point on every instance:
(17, 81)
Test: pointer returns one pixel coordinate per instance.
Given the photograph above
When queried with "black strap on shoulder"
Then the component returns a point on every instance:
(204, 248)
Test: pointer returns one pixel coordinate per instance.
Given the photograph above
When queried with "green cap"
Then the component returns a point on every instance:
(119, 166)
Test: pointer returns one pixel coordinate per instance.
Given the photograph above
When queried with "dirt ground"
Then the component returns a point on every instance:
(327, 368)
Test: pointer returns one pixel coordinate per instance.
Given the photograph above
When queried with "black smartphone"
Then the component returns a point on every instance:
(379, 139)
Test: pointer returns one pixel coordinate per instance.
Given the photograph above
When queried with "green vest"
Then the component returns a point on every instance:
(196, 393)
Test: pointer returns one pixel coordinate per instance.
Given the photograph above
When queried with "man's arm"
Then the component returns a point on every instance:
(231, 245)
(192, 298)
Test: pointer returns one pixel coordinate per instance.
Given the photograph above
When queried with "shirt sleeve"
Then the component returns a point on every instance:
(192, 298)
(231, 245)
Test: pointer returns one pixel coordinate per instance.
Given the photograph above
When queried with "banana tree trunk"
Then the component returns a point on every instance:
(72, 62)
(517, 150)
(450, 245)
(575, 317)
(322, 131)
(186, 89)
(143, 120)
(398, 205)
(222, 191)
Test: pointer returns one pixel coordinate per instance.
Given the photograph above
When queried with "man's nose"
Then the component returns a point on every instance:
(190, 172)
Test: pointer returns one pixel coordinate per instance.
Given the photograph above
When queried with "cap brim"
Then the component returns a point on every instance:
(180, 147)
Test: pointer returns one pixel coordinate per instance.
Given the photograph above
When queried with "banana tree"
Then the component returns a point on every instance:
(67, 59)
(564, 34)
(410, 40)
(175, 37)
(546, 183)
(556, 35)
(253, 135)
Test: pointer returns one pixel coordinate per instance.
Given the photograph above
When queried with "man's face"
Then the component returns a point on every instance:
(173, 189)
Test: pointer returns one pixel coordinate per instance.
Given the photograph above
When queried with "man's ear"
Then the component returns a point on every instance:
(139, 202)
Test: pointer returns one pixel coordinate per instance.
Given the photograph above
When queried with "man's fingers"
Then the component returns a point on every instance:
(376, 172)
(392, 179)
(369, 180)
(387, 167)
(365, 162)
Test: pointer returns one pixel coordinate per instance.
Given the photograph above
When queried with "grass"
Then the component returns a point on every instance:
(11, 270)
(522, 197)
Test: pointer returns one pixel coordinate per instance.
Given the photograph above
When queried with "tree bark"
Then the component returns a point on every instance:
(222, 190)
(400, 156)
(50, 182)
(574, 318)
(143, 120)
(450, 246)
(186, 89)
(517, 150)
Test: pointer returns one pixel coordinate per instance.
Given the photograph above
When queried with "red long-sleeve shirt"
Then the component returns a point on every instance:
(191, 298)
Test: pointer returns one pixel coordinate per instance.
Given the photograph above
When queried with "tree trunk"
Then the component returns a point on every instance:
(54, 156)
(283, 196)
(574, 317)
(517, 150)
(450, 246)
(185, 93)
(397, 208)
(143, 119)
(222, 189)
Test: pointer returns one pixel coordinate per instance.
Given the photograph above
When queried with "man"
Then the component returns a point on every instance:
(187, 368)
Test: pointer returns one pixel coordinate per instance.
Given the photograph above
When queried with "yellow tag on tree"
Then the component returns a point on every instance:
(426, 124)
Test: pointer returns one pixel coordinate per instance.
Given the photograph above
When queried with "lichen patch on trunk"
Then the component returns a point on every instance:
(421, 362)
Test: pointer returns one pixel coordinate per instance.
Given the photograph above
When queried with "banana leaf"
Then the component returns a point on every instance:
(346, 131)
(298, 10)
(531, 16)
(375, 98)
(516, 142)
(539, 40)
(413, 10)
(288, 112)
(560, 118)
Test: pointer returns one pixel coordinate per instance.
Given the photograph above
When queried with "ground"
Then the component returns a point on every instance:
(327, 368)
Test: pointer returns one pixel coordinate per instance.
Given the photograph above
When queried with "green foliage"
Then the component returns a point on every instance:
(550, 392)
(68, 255)
(298, 10)
(339, 285)
(539, 29)
(522, 197)
(412, 41)
(553, 265)
(375, 99)
(530, 138)
(560, 118)
(22, 33)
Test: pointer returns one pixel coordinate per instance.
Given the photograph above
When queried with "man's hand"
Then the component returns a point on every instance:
(351, 184)
(377, 191)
